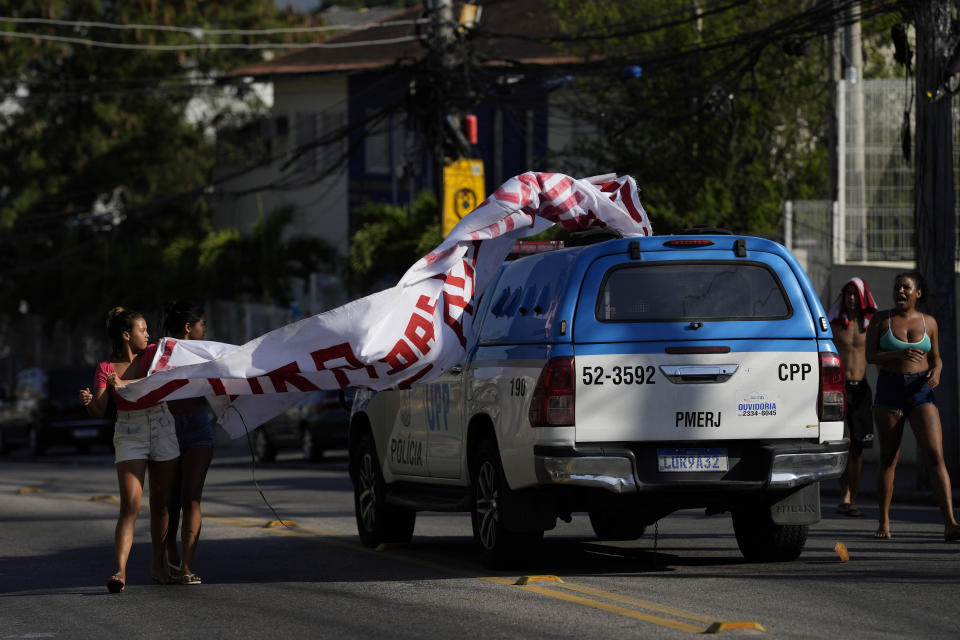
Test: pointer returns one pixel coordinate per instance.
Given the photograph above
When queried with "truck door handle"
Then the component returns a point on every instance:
(696, 373)
(455, 370)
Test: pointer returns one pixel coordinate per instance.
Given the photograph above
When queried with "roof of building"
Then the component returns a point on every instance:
(510, 32)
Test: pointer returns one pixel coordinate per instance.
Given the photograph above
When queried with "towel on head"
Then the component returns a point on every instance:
(867, 305)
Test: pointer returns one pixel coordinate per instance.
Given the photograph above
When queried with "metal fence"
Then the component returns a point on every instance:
(875, 211)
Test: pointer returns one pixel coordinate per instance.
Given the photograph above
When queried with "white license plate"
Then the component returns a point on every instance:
(85, 433)
(692, 460)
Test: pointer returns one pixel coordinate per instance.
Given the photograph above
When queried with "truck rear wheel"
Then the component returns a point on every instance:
(762, 540)
(499, 545)
(377, 522)
(616, 525)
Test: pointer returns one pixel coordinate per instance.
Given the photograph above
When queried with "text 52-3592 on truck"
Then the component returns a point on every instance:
(627, 379)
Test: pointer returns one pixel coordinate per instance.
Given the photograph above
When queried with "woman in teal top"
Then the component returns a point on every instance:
(903, 343)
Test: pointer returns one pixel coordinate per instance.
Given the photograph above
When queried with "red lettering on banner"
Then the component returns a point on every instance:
(424, 303)
(400, 357)
(342, 351)
(287, 374)
(217, 385)
(419, 332)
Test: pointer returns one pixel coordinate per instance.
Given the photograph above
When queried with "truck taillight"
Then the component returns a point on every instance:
(552, 404)
(832, 405)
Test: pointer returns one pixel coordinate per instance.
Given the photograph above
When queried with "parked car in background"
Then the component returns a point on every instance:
(44, 411)
(314, 425)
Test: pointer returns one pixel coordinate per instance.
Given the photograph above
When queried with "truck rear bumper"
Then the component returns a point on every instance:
(631, 467)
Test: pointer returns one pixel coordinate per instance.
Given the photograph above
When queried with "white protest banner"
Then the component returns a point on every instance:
(395, 338)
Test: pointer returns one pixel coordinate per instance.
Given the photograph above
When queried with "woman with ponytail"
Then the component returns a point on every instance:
(143, 438)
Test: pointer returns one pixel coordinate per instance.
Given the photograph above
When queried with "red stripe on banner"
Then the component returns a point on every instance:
(506, 196)
(406, 384)
(435, 256)
(157, 395)
(607, 187)
(217, 385)
(255, 386)
(509, 222)
(163, 362)
(627, 198)
(559, 188)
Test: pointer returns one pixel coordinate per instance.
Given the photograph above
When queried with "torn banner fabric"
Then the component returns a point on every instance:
(407, 334)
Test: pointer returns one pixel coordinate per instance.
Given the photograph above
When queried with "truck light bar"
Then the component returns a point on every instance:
(527, 247)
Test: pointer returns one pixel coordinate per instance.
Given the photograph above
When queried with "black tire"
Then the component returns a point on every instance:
(762, 540)
(499, 546)
(311, 449)
(610, 524)
(263, 451)
(377, 522)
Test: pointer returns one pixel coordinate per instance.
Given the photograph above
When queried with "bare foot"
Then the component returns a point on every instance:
(882, 533)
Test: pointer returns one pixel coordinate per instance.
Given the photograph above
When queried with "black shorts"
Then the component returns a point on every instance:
(858, 425)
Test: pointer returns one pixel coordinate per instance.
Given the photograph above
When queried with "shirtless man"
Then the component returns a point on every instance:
(850, 317)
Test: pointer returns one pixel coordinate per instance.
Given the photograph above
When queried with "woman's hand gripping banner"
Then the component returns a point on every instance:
(398, 337)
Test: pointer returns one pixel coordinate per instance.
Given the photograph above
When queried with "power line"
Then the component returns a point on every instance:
(208, 46)
(200, 32)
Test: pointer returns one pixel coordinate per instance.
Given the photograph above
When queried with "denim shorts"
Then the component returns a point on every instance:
(145, 434)
(194, 429)
(902, 392)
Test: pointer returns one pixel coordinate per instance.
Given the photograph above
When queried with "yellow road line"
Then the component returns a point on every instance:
(556, 589)
(603, 606)
(644, 604)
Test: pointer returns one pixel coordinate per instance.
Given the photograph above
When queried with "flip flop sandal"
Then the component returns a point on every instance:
(854, 512)
(843, 507)
(115, 584)
(190, 578)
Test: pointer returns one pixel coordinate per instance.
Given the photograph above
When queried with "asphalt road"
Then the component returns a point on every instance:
(314, 579)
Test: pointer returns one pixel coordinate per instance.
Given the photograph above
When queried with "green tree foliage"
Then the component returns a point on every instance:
(104, 160)
(390, 239)
(730, 116)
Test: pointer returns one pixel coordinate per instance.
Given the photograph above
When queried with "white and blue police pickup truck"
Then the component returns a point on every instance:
(627, 378)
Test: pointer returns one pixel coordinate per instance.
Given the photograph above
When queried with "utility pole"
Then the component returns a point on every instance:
(853, 52)
(934, 198)
(441, 62)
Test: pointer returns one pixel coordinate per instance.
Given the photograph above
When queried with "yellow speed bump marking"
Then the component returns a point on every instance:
(23, 490)
(525, 580)
(717, 627)
(104, 498)
(280, 523)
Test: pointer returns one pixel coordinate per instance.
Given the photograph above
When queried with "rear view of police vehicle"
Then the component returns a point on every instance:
(627, 379)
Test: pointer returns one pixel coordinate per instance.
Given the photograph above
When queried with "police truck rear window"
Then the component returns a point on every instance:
(693, 291)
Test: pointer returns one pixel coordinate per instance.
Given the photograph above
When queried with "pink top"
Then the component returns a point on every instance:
(104, 368)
